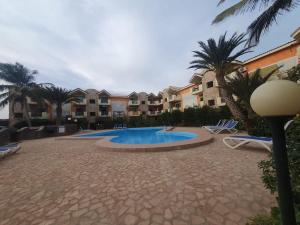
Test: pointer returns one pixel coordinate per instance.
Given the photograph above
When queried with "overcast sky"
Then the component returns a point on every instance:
(118, 45)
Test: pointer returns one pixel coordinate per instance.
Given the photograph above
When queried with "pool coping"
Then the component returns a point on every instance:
(204, 137)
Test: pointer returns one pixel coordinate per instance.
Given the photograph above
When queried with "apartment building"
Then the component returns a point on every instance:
(201, 90)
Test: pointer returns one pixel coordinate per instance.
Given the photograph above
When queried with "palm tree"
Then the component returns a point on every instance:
(242, 85)
(19, 86)
(220, 58)
(57, 96)
(264, 21)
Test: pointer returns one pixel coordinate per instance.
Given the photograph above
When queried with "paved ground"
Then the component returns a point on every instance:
(75, 182)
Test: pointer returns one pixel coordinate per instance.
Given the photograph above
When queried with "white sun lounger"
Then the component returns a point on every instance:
(229, 126)
(9, 149)
(234, 142)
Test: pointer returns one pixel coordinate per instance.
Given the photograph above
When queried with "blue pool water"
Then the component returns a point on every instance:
(143, 136)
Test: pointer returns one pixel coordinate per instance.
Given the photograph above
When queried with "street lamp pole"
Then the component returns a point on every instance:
(282, 170)
(276, 100)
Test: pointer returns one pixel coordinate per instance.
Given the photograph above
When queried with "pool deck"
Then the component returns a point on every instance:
(69, 182)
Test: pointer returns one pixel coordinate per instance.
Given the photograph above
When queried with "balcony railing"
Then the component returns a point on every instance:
(80, 101)
(151, 102)
(197, 90)
(104, 102)
(79, 114)
(38, 115)
(154, 113)
(105, 114)
(174, 98)
(133, 102)
(133, 113)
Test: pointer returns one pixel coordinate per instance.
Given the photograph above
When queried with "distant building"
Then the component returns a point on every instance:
(202, 90)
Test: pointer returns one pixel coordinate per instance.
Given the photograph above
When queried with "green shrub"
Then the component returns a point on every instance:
(261, 220)
(269, 172)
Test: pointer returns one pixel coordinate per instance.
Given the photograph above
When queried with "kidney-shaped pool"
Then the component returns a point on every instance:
(143, 136)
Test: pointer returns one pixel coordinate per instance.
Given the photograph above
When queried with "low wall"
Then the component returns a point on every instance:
(13, 135)
(4, 136)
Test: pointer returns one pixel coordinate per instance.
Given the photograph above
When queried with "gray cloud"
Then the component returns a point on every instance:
(124, 46)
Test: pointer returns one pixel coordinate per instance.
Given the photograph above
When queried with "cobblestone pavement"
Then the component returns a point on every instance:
(52, 182)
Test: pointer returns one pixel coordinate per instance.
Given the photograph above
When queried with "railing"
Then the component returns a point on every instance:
(154, 113)
(133, 102)
(173, 98)
(105, 114)
(197, 90)
(38, 115)
(104, 102)
(133, 113)
(80, 101)
(79, 114)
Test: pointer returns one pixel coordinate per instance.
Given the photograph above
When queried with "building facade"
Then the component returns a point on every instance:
(202, 90)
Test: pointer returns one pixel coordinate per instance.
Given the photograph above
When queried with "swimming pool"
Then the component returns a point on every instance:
(143, 136)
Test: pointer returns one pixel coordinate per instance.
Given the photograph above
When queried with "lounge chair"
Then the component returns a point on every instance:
(234, 142)
(228, 126)
(9, 149)
(221, 123)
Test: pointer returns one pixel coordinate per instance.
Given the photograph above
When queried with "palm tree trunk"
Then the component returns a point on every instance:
(235, 110)
(58, 114)
(12, 119)
(25, 111)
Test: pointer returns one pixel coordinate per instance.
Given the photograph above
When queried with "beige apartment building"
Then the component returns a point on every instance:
(201, 90)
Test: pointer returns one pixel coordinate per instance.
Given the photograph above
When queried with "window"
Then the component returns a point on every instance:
(104, 99)
(166, 99)
(92, 114)
(210, 84)
(211, 102)
(143, 113)
(201, 99)
(92, 101)
(143, 102)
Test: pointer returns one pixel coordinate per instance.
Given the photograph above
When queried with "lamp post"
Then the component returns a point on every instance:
(276, 100)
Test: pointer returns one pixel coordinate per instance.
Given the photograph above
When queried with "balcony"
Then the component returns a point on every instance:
(80, 101)
(151, 102)
(38, 115)
(220, 102)
(104, 101)
(159, 102)
(197, 90)
(79, 114)
(153, 113)
(133, 113)
(174, 98)
(105, 114)
(133, 102)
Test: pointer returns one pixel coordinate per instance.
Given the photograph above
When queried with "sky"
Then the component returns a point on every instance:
(118, 45)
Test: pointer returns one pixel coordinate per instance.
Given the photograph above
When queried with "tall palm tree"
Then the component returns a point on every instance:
(220, 57)
(57, 96)
(242, 85)
(264, 21)
(19, 85)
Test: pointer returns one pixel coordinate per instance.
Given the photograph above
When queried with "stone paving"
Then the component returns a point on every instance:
(52, 182)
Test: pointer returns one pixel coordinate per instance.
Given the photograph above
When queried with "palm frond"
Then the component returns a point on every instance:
(266, 19)
(233, 10)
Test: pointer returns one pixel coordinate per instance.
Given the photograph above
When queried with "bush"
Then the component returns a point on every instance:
(269, 172)
(261, 220)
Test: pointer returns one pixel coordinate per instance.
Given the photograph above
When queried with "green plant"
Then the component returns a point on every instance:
(220, 56)
(264, 21)
(294, 73)
(20, 85)
(269, 173)
(261, 220)
(57, 96)
(242, 85)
